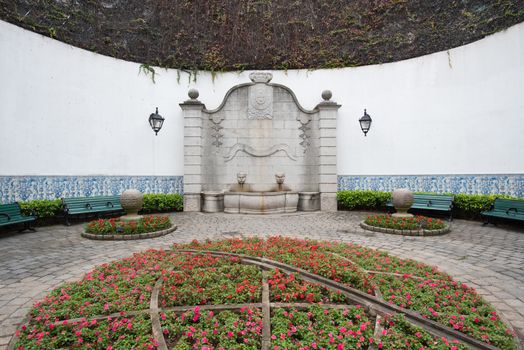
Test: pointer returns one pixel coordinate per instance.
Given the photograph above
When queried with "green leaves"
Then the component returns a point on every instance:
(42, 208)
(466, 206)
(160, 202)
(363, 199)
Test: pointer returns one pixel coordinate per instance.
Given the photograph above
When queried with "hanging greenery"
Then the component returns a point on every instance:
(263, 34)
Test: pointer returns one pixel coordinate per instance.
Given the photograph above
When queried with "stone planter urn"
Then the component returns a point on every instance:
(402, 199)
(132, 201)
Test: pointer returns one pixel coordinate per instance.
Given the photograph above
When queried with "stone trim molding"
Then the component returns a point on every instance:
(129, 237)
(236, 87)
(420, 232)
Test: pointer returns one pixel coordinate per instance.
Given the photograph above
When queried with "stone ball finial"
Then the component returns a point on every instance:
(193, 94)
(326, 95)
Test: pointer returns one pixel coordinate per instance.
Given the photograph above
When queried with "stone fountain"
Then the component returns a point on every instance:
(241, 198)
(262, 131)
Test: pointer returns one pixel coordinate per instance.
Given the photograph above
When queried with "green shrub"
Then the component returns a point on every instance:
(160, 202)
(465, 206)
(48, 210)
(469, 206)
(363, 199)
(44, 208)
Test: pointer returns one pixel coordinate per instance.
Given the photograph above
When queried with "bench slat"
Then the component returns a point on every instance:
(506, 209)
(12, 214)
(433, 202)
(90, 205)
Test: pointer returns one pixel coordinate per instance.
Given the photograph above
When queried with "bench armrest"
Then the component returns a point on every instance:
(88, 206)
(512, 209)
(7, 215)
(109, 204)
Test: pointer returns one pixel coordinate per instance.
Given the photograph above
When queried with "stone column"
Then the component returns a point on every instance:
(328, 111)
(192, 112)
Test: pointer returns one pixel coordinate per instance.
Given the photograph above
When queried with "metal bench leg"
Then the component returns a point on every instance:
(67, 223)
(27, 227)
(488, 221)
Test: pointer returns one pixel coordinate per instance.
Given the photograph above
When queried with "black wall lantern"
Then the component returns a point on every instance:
(365, 122)
(156, 121)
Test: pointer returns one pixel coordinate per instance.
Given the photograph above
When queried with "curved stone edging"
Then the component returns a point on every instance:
(129, 237)
(393, 231)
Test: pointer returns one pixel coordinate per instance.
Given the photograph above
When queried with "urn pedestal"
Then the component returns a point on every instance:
(132, 201)
(402, 199)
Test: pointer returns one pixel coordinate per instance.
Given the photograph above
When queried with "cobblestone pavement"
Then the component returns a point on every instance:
(491, 259)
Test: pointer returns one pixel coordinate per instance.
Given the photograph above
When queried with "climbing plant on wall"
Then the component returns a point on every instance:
(263, 34)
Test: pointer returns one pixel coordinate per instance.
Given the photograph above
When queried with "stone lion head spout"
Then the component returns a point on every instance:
(241, 178)
(280, 178)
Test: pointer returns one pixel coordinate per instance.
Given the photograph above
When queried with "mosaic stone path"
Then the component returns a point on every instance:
(491, 259)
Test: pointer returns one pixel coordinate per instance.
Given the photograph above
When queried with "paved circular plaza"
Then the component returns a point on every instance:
(491, 259)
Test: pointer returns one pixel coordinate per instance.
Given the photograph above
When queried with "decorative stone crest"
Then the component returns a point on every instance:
(216, 128)
(304, 121)
(260, 102)
(260, 77)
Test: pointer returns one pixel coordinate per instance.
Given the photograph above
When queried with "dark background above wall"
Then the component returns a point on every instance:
(269, 34)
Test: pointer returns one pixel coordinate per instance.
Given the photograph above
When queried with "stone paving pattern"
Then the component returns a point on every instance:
(490, 259)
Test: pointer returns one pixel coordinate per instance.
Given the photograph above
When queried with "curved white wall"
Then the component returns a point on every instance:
(67, 111)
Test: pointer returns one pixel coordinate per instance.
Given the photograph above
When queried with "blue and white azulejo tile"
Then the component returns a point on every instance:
(23, 188)
(512, 185)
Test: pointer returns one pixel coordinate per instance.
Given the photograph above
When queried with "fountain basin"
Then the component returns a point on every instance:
(308, 201)
(260, 202)
(212, 202)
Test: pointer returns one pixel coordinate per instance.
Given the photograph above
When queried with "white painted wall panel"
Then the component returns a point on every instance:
(67, 111)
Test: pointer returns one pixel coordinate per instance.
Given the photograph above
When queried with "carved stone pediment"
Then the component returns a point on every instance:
(260, 77)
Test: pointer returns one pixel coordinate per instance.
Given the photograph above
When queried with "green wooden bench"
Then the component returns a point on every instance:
(431, 202)
(504, 209)
(11, 214)
(90, 206)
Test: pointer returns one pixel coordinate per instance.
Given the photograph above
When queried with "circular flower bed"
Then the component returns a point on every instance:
(147, 227)
(190, 298)
(416, 226)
